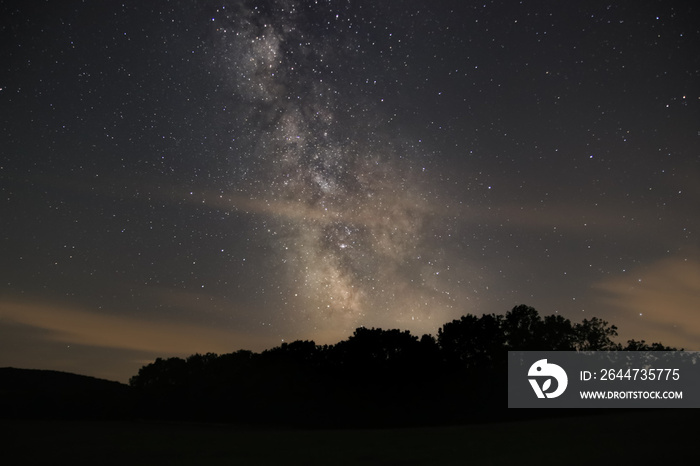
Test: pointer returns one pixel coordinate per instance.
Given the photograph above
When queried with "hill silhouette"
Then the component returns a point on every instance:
(36, 394)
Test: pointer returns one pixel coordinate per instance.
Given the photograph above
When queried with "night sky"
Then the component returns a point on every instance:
(182, 177)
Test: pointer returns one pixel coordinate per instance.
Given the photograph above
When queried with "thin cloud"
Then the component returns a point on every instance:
(659, 303)
(167, 337)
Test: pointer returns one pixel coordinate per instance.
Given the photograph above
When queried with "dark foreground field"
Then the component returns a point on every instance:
(639, 437)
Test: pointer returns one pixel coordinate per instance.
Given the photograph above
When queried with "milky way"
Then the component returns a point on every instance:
(345, 205)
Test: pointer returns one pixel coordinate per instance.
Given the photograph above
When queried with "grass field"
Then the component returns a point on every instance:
(632, 437)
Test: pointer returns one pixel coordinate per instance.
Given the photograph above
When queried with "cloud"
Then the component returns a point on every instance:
(29, 347)
(659, 303)
(163, 336)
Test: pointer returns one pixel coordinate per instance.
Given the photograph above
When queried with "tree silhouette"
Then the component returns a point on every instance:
(162, 375)
(522, 328)
(377, 348)
(376, 377)
(557, 334)
(595, 335)
(472, 341)
(634, 345)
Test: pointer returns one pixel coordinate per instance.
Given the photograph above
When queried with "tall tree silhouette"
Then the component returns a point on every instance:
(472, 341)
(557, 334)
(522, 328)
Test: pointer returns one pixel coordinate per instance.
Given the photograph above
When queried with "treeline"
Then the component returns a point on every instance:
(374, 378)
